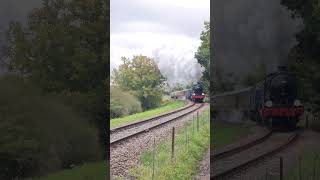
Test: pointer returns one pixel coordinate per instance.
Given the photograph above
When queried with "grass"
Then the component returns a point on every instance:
(310, 164)
(147, 114)
(90, 171)
(187, 155)
(227, 133)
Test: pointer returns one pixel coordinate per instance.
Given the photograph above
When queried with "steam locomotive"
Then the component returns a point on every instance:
(196, 94)
(274, 101)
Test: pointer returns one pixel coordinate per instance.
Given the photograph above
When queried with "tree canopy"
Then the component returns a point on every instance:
(142, 77)
(203, 55)
(62, 51)
(63, 46)
(304, 56)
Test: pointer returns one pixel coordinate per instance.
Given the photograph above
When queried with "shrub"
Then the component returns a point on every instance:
(38, 133)
(123, 103)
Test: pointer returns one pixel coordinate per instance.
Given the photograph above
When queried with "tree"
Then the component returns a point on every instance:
(203, 55)
(62, 47)
(304, 56)
(39, 134)
(142, 77)
(257, 74)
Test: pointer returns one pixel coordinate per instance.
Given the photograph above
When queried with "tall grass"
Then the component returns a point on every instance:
(190, 146)
(90, 171)
(227, 133)
(308, 167)
(147, 114)
(123, 103)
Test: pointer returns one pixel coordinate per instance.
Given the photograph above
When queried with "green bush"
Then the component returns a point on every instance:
(40, 134)
(123, 103)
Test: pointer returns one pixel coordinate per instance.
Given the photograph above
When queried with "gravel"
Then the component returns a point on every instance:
(119, 134)
(204, 167)
(125, 155)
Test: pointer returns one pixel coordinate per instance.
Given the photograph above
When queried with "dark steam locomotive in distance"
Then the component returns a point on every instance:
(196, 94)
(276, 100)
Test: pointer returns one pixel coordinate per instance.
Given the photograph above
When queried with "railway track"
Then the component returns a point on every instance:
(238, 149)
(119, 128)
(128, 131)
(228, 164)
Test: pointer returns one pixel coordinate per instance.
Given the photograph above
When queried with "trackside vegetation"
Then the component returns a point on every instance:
(307, 167)
(39, 134)
(227, 133)
(123, 103)
(141, 77)
(92, 171)
(190, 146)
(169, 106)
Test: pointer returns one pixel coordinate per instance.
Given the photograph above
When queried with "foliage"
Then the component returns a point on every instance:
(123, 103)
(223, 81)
(308, 168)
(92, 171)
(187, 155)
(178, 87)
(203, 55)
(147, 114)
(62, 47)
(257, 75)
(142, 77)
(305, 55)
(38, 133)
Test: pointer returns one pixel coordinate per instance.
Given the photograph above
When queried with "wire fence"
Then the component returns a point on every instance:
(190, 129)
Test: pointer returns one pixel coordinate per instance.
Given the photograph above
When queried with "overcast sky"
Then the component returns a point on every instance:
(166, 30)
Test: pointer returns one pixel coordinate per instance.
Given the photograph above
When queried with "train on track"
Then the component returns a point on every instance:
(196, 94)
(274, 101)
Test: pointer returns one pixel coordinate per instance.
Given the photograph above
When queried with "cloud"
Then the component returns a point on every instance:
(168, 31)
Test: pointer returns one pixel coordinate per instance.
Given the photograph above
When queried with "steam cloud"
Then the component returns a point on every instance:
(178, 67)
(247, 33)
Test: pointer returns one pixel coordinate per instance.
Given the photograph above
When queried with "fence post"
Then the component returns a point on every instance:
(266, 173)
(153, 157)
(281, 168)
(192, 126)
(307, 120)
(197, 114)
(172, 155)
(300, 173)
(187, 136)
(314, 168)
(197, 125)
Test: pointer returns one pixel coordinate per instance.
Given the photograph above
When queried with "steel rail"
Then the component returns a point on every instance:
(233, 170)
(238, 149)
(153, 127)
(150, 119)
